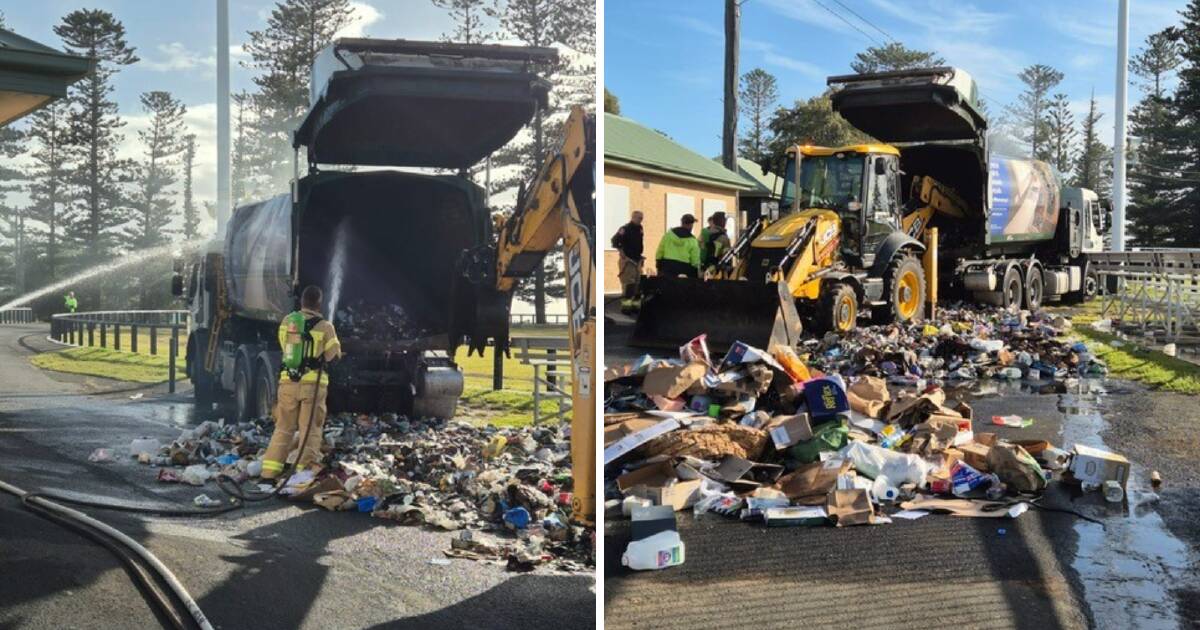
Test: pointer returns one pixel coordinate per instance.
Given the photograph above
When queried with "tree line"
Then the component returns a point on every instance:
(1163, 208)
(85, 205)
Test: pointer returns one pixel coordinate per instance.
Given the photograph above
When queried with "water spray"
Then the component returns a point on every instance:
(126, 260)
(337, 265)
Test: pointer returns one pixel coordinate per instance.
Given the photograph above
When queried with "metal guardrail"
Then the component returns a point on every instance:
(76, 328)
(556, 319)
(17, 315)
(1155, 292)
(551, 363)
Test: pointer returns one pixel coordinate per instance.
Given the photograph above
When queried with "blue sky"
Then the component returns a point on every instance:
(663, 58)
(176, 41)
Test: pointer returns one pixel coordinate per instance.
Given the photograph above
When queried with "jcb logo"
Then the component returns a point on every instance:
(915, 229)
(578, 291)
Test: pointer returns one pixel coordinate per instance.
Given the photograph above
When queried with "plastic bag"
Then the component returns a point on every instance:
(828, 436)
(899, 468)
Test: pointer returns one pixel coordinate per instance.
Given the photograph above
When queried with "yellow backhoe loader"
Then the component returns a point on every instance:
(840, 251)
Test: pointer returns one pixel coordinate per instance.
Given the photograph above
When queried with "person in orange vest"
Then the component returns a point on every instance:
(302, 388)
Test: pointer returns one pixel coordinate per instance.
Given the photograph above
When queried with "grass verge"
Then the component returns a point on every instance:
(122, 366)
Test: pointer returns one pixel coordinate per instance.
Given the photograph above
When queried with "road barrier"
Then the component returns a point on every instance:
(1153, 292)
(17, 315)
(555, 319)
(551, 361)
(83, 329)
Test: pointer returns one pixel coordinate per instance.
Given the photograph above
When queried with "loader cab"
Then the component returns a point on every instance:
(859, 183)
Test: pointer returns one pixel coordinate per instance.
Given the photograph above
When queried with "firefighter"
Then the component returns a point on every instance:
(678, 252)
(70, 302)
(628, 243)
(302, 384)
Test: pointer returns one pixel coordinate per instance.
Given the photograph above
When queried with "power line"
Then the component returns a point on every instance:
(848, 22)
(868, 22)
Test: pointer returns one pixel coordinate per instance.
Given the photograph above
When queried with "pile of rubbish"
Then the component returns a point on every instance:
(365, 320)
(506, 492)
(851, 429)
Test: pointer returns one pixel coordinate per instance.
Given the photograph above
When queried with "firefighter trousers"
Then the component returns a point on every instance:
(297, 403)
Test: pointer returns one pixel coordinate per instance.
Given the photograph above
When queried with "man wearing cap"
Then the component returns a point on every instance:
(679, 252)
(714, 240)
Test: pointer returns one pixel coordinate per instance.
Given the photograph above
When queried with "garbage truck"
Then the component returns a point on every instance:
(392, 249)
(855, 238)
(1010, 233)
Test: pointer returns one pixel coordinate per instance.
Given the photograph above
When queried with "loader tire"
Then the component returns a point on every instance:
(838, 309)
(904, 290)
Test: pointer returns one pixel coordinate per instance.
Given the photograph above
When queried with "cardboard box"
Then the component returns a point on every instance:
(791, 516)
(743, 475)
(661, 485)
(792, 430)
(1094, 465)
(631, 434)
(810, 483)
(850, 507)
(975, 455)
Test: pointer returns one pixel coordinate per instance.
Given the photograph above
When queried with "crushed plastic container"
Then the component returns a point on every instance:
(147, 445)
(660, 551)
(1113, 492)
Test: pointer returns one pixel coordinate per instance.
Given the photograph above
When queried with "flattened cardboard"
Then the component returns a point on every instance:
(743, 475)
(793, 430)
(673, 381)
(869, 396)
(637, 438)
(618, 430)
(661, 485)
(810, 484)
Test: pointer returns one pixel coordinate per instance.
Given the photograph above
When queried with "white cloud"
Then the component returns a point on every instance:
(175, 56)
(700, 26)
(952, 17)
(810, 13)
(362, 15)
(772, 56)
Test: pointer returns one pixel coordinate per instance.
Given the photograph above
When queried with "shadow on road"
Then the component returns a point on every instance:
(519, 603)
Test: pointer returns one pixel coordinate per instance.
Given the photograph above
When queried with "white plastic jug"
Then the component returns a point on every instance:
(659, 551)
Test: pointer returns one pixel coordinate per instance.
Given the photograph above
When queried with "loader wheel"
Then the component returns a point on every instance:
(839, 308)
(1011, 288)
(904, 288)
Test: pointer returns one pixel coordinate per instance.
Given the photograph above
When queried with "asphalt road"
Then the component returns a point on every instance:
(275, 566)
(1141, 569)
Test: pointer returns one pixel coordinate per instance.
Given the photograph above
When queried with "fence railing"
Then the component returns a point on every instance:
(1154, 292)
(556, 319)
(17, 315)
(85, 329)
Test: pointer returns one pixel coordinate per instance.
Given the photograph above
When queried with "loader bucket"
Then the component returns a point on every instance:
(674, 310)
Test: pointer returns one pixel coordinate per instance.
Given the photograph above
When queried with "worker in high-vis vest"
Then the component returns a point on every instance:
(309, 344)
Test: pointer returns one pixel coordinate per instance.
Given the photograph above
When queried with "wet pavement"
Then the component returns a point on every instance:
(1046, 569)
(274, 565)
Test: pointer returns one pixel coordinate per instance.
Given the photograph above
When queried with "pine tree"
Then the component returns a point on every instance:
(612, 105)
(1186, 142)
(1029, 113)
(570, 24)
(48, 181)
(810, 121)
(191, 215)
(98, 176)
(1090, 165)
(14, 254)
(468, 17)
(283, 52)
(158, 171)
(1154, 178)
(758, 94)
(1062, 133)
(893, 56)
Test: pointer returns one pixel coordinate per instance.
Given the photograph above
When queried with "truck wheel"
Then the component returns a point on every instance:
(1011, 288)
(904, 289)
(1034, 288)
(838, 308)
(243, 393)
(1091, 284)
(263, 398)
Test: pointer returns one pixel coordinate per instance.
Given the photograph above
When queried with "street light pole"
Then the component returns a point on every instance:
(1118, 184)
(223, 195)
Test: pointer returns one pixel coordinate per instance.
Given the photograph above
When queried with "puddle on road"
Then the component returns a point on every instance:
(1129, 566)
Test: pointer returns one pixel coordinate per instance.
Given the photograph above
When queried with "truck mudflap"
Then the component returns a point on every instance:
(674, 310)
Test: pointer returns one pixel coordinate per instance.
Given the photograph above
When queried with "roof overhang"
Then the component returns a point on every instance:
(33, 75)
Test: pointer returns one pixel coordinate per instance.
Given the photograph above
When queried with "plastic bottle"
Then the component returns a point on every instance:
(1010, 373)
(791, 363)
(662, 550)
(883, 490)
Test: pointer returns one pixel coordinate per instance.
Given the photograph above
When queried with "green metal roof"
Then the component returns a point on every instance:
(765, 183)
(641, 148)
(32, 75)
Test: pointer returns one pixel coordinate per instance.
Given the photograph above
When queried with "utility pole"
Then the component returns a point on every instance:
(1118, 186)
(223, 201)
(733, 18)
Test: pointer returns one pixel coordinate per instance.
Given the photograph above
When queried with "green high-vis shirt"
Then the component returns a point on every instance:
(685, 249)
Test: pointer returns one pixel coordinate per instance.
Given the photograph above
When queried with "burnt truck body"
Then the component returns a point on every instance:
(1023, 237)
(397, 252)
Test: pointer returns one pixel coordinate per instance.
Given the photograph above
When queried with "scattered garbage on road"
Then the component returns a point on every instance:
(850, 429)
(509, 488)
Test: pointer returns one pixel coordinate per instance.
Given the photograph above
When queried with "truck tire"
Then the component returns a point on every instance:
(264, 393)
(243, 393)
(904, 290)
(838, 308)
(1012, 295)
(204, 386)
(1035, 288)
(1091, 284)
